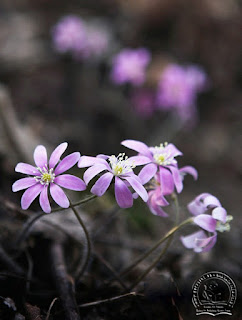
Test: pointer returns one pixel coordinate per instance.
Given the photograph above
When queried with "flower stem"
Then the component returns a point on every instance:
(79, 273)
(76, 203)
(147, 253)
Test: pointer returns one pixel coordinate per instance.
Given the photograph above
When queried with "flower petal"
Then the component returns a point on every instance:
(205, 244)
(122, 194)
(137, 186)
(189, 170)
(137, 146)
(220, 214)
(190, 240)
(27, 169)
(147, 173)
(23, 184)
(172, 150)
(139, 160)
(40, 156)
(59, 196)
(44, 200)
(30, 194)
(71, 182)
(87, 161)
(211, 201)
(56, 154)
(176, 178)
(206, 222)
(67, 163)
(91, 172)
(166, 181)
(102, 184)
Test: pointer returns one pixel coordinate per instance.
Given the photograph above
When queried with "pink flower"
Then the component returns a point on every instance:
(48, 176)
(143, 102)
(69, 35)
(121, 169)
(161, 159)
(211, 217)
(129, 66)
(178, 88)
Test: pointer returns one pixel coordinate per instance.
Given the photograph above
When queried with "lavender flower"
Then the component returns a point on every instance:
(129, 65)
(48, 176)
(211, 217)
(178, 88)
(143, 102)
(69, 35)
(120, 168)
(162, 159)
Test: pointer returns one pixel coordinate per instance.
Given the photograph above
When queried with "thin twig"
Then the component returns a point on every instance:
(78, 203)
(50, 307)
(95, 303)
(63, 282)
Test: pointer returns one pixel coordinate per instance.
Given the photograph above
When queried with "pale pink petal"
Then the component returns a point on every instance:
(88, 161)
(40, 156)
(137, 146)
(176, 178)
(196, 207)
(91, 172)
(190, 240)
(71, 182)
(206, 222)
(205, 244)
(189, 170)
(166, 181)
(122, 194)
(56, 154)
(23, 184)
(102, 184)
(159, 198)
(220, 214)
(44, 200)
(27, 169)
(67, 163)
(139, 160)
(172, 150)
(30, 194)
(147, 173)
(59, 196)
(211, 201)
(137, 186)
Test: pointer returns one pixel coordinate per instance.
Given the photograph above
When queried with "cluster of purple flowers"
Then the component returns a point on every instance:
(81, 39)
(160, 172)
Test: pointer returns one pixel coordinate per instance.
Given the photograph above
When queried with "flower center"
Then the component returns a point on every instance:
(120, 164)
(46, 176)
(221, 227)
(162, 156)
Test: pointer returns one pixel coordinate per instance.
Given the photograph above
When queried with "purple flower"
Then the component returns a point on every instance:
(121, 169)
(48, 176)
(155, 201)
(129, 66)
(178, 88)
(143, 102)
(161, 159)
(69, 35)
(211, 217)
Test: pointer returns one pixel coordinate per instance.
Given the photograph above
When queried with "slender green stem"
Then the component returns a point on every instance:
(144, 274)
(147, 253)
(25, 230)
(76, 203)
(88, 254)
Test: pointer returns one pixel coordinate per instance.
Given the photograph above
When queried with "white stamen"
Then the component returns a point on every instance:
(120, 164)
(221, 227)
(47, 176)
(162, 156)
